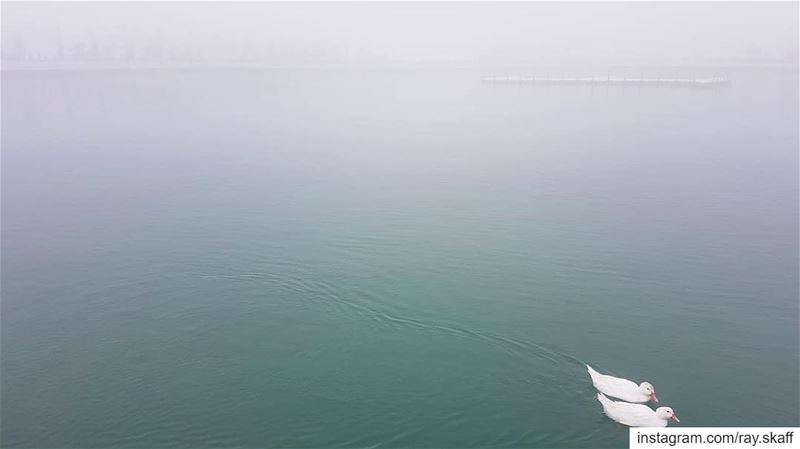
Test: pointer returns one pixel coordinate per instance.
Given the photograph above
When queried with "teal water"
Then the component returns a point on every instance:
(334, 258)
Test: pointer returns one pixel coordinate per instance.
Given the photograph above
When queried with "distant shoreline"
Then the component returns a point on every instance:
(20, 67)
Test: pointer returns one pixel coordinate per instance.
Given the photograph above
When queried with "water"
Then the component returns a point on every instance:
(341, 258)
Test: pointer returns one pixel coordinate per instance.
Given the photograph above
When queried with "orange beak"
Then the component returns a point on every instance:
(675, 418)
(653, 397)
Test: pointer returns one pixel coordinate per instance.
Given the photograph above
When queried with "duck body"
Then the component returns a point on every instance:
(619, 388)
(636, 415)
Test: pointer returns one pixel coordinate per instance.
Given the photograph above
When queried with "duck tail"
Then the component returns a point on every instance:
(604, 400)
(592, 372)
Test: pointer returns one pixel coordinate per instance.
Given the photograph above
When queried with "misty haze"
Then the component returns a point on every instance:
(316, 225)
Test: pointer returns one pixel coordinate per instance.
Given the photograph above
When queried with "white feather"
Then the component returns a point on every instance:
(616, 387)
(635, 415)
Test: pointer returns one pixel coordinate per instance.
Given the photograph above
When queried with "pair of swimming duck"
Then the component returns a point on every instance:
(632, 412)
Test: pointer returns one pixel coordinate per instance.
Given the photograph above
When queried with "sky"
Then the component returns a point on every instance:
(596, 34)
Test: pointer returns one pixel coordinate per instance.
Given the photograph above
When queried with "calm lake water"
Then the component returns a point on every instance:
(342, 258)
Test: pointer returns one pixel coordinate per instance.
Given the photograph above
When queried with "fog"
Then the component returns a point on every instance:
(390, 34)
(318, 225)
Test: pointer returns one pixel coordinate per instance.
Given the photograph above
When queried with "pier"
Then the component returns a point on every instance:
(716, 81)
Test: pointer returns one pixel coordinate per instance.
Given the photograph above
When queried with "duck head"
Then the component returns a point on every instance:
(666, 414)
(647, 389)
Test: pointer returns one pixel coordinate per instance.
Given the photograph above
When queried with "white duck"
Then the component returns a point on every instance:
(636, 415)
(622, 388)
